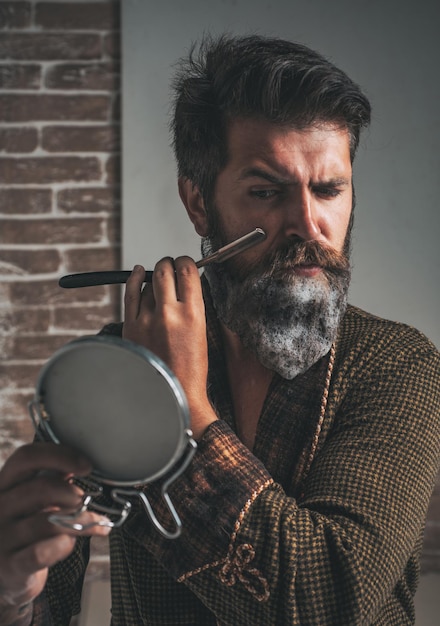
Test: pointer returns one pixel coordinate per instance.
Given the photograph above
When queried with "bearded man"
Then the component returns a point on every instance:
(317, 423)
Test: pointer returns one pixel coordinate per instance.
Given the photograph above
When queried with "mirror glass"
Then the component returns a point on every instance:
(117, 403)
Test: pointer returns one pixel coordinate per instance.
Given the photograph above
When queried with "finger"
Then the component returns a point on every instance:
(40, 555)
(38, 494)
(133, 290)
(189, 286)
(92, 523)
(164, 282)
(36, 457)
(39, 527)
(147, 299)
(27, 531)
(136, 330)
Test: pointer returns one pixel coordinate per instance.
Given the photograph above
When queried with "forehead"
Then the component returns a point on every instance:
(324, 146)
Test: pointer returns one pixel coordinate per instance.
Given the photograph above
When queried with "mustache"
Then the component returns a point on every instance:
(280, 263)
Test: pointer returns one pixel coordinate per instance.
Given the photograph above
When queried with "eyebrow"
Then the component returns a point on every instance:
(256, 172)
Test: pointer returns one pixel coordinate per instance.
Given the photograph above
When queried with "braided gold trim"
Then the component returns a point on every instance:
(323, 408)
(199, 570)
(244, 510)
(237, 567)
(230, 555)
(306, 461)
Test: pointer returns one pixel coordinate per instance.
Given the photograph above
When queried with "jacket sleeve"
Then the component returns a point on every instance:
(255, 555)
(41, 613)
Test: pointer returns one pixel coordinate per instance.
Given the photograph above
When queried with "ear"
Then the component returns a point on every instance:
(195, 207)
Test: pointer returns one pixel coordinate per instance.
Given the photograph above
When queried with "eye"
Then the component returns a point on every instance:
(264, 194)
(327, 191)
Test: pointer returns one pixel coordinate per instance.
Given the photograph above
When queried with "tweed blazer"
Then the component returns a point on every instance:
(270, 539)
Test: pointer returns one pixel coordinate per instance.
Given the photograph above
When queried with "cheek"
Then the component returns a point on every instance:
(233, 226)
(339, 232)
(335, 226)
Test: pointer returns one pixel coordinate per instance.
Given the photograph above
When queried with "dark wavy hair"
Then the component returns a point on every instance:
(279, 81)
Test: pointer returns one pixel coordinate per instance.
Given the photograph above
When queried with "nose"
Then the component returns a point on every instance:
(301, 218)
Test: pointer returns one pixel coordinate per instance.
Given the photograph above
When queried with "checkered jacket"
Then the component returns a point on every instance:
(265, 543)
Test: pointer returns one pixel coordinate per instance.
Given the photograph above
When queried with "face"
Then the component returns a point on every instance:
(295, 185)
(284, 298)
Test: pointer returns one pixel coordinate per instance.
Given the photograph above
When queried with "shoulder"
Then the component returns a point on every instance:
(387, 374)
(362, 333)
(374, 352)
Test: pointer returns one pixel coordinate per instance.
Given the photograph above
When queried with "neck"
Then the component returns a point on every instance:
(249, 383)
(237, 353)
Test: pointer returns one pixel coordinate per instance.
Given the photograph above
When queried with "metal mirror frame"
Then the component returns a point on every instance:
(92, 485)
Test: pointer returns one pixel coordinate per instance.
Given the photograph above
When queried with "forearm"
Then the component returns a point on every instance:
(282, 561)
(208, 515)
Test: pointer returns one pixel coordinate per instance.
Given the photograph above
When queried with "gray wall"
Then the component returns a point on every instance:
(391, 48)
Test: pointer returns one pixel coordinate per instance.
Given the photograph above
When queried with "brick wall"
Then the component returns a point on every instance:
(59, 186)
(59, 192)
(59, 195)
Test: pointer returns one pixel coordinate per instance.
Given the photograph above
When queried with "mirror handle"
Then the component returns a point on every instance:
(191, 448)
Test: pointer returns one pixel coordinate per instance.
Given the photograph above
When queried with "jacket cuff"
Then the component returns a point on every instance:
(212, 498)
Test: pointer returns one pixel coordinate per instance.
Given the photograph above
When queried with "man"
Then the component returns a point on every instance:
(317, 424)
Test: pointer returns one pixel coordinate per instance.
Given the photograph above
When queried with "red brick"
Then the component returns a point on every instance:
(116, 108)
(17, 426)
(114, 230)
(28, 320)
(51, 230)
(5, 323)
(99, 76)
(25, 108)
(29, 261)
(88, 200)
(113, 169)
(112, 45)
(84, 318)
(37, 346)
(49, 46)
(116, 292)
(80, 139)
(21, 376)
(20, 76)
(44, 170)
(91, 15)
(18, 139)
(25, 201)
(15, 14)
(45, 292)
(92, 259)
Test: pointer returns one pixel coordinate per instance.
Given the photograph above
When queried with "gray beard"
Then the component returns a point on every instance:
(289, 324)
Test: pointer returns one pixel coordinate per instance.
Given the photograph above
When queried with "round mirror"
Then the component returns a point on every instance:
(118, 404)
